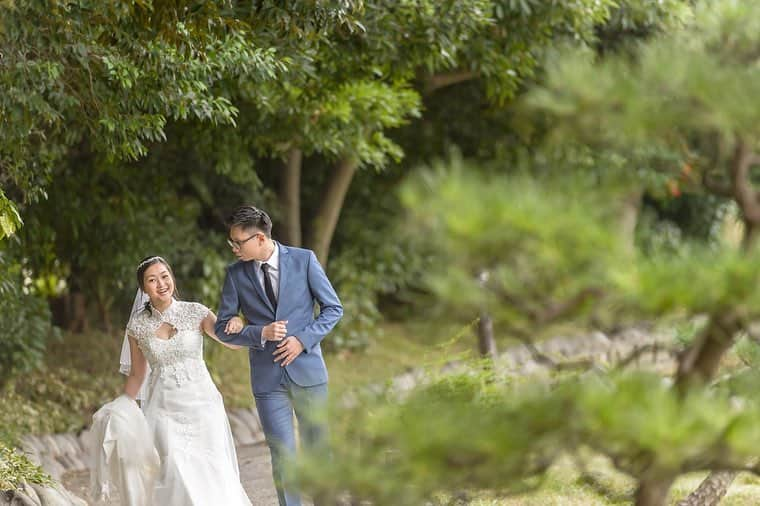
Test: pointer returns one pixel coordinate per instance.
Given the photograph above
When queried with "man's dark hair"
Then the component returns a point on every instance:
(247, 217)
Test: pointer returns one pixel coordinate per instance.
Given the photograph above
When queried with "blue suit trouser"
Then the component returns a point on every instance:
(276, 410)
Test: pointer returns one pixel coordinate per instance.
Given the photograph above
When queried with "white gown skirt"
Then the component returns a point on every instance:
(191, 432)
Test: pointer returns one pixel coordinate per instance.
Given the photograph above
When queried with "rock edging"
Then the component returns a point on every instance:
(59, 454)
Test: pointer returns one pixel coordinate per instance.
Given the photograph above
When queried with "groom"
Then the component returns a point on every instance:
(275, 287)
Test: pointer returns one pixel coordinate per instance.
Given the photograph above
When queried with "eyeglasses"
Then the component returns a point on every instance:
(239, 244)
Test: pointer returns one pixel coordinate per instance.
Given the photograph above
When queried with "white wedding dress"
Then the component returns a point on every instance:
(185, 414)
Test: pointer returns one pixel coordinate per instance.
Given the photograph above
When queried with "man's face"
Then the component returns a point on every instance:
(247, 244)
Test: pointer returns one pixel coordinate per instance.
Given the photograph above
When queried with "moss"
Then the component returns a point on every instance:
(15, 468)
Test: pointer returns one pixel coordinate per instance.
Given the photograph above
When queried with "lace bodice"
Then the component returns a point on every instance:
(181, 356)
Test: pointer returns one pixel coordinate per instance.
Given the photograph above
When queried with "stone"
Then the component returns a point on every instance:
(51, 496)
(32, 444)
(29, 490)
(66, 462)
(73, 443)
(251, 419)
(20, 498)
(78, 462)
(51, 447)
(240, 431)
(64, 447)
(85, 441)
(52, 467)
(34, 457)
(404, 383)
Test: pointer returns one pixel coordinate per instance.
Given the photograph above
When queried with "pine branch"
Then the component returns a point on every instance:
(638, 351)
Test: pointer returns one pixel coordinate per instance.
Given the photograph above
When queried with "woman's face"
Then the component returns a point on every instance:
(158, 284)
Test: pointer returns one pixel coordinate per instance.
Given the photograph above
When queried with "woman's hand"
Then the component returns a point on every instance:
(234, 326)
(207, 325)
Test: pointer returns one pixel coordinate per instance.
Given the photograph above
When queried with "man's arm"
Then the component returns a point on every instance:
(207, 326)
(330, 308)
(229, 306)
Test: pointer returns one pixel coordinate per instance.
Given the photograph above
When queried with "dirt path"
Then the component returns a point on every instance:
(255, 472)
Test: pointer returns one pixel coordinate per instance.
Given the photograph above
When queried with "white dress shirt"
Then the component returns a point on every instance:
(274, 275)
(274, 271)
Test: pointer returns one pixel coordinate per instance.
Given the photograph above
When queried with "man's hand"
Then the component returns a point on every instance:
(275, 331)
(234, 326)
(288, 350)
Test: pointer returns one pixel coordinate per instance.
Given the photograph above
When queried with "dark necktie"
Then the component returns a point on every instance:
(268, 285)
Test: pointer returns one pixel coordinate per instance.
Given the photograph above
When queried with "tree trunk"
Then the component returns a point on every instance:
(329, 210)
(486, 343)
(629, 217)
(751, 231)
(104, 309)
(74, 312)
(290, 196)
(653, 491)
(701, 361)
(714, 487)
(698, 366)
(711, 490)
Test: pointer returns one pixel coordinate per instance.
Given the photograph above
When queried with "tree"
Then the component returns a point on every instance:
(685, 97)
(105, 77)
(347, 87)
(555, 258)
(694, 116)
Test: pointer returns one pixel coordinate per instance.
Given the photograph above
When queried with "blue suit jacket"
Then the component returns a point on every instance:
(302, 283)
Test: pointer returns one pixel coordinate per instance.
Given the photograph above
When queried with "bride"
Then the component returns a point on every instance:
(189, 458)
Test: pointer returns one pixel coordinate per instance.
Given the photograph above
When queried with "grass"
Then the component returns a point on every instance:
(396, 349)
(81, 373)
(563, 486)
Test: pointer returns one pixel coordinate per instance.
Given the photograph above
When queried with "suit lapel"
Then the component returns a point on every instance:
(251, 271)
(284, 270)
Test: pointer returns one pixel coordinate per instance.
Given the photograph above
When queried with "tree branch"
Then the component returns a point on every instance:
(559, 309)
(439, 81)
(741, 184)
(546, 360)
(718, 188)
(641, 350)
(598, 486)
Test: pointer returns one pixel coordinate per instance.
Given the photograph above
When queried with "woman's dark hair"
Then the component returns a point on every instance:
(143, 266)
(247, 217)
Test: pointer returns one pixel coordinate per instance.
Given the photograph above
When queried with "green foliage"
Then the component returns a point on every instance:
(693, 217)
(10, 220)
(15, 469)
(54, 401)
(363, 274)
(78, 375)
(696, 280)
(110, 74)
(478, 431)
(704, 82)
(748, 350)
(519, 249)
(375, 261)
(95, 228)
(633, 21)
(25, 327)
(536, 253)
